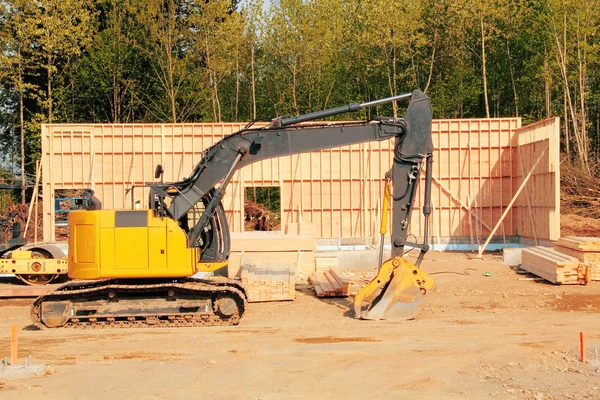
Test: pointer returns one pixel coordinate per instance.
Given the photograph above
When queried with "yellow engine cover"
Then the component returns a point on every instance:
(128, 244)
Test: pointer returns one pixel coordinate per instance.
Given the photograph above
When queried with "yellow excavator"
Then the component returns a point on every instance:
(136, 267)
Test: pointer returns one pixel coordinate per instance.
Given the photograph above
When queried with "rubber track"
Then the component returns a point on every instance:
(77, 288)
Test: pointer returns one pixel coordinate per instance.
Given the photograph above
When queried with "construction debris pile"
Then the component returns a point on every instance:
(579, 191)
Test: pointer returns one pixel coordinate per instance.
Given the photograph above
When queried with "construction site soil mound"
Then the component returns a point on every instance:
(576, 225)
(483, 334)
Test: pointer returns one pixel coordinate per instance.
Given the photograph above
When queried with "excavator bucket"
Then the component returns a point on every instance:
(396, 293)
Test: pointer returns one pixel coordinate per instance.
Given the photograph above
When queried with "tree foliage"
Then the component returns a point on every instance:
(221, 60)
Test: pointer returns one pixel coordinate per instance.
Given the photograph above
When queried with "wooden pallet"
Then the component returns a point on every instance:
(553, 266)
(269, 283)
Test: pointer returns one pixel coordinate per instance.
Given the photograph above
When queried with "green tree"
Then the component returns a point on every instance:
(163, 35)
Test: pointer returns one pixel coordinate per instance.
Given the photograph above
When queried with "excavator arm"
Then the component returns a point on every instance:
(412, 135)
(397, 290)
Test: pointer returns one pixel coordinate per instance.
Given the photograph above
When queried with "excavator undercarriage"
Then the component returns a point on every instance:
(126, 303)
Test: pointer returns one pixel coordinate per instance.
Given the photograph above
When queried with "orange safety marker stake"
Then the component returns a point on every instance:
(582, 347)
(13, 345)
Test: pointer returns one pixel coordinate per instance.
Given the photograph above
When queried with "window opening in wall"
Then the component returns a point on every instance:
(65, 201)
(262, 208)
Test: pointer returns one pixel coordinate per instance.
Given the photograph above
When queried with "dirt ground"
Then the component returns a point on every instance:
(576, 225)
(477, 337)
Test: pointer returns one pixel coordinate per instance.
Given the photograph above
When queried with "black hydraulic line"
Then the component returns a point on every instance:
(214, 202)
(426, 209)
(285, 121)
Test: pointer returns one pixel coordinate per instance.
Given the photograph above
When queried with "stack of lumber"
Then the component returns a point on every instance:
(585, 249)
(269, 283)
(333, 283)
(551, 265)
(265, 248)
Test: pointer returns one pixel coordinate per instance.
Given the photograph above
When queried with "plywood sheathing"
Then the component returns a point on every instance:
(553, 266)
(338, 190)
(538, 211)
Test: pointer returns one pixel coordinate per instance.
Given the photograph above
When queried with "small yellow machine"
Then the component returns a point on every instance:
(135, 267)
(32, 268)
(33, 264)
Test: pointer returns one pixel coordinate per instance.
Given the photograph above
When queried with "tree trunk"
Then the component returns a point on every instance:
(115, 65)
(568, 144)
(171, 88)
(390, 75)
(394, 82)
(547, 78)
(253, 82)
(512, 80)
(431, 64)
(49, 67)
(237, 83)
(484, 72)
(566, 118)
(217, 101)
(21, 124)
(582, 66)
(294, 99)
(562, 61)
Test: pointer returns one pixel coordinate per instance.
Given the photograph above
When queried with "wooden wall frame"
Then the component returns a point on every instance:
(339, 190)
